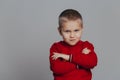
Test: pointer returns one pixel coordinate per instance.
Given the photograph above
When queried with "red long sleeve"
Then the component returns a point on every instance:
(59, 66)
(85, 60)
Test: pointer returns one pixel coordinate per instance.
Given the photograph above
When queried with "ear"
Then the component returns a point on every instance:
(59, 30)
(82, 29)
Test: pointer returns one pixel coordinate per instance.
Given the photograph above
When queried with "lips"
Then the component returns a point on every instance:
(72, 39)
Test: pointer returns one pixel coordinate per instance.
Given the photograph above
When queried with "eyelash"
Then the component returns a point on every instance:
(69, 31)
(76, 30)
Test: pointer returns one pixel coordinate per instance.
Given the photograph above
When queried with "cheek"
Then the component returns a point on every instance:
(64, 35)
(78, 34)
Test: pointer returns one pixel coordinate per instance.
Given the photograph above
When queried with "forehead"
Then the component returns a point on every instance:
(72, 24)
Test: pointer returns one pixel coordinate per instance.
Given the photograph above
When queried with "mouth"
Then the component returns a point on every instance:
(72, 40)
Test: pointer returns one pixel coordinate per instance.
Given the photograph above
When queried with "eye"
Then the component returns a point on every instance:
(76, 30)
(67, 31)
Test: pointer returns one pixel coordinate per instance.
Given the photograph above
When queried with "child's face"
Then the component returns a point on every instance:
(71, 31)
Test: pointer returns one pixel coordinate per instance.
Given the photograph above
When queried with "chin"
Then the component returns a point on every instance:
(72, 44)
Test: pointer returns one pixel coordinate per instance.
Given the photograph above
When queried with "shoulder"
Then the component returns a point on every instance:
(88, 44)
(55, 44)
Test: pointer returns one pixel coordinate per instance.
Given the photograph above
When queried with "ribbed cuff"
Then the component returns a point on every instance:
(70, 59)
(77, 66)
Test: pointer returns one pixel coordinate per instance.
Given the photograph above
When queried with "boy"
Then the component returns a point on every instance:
(72, 58)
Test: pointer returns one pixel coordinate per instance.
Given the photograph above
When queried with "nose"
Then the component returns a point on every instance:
(72, 34)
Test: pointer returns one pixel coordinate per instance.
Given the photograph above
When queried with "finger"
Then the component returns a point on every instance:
(54, 57)
(54, 52)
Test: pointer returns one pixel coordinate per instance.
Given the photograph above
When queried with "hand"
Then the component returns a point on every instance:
(59, 55)
(86, 51)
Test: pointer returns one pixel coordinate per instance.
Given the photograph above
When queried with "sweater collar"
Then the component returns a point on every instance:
(66, 44)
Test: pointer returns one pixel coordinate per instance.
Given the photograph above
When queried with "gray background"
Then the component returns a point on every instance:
(29, 27)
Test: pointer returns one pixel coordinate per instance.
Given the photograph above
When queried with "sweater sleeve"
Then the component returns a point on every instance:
(59, 66)
(86, 60)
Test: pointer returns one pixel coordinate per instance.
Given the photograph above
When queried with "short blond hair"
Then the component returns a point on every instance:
(69, 14)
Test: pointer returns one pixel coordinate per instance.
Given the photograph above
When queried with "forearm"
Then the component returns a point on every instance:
(62, 67)
(85, 60)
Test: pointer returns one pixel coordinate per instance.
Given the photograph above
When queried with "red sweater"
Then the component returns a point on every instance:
(79, 66)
